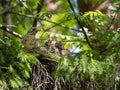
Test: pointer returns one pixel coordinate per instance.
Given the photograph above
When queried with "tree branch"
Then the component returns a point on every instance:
(80, 25)
(113, 18)
(39, 7)
(3, 67)
(31, 16)
(5, 28)
(9, 7)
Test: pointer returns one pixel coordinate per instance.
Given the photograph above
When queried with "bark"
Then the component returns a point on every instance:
(6, 18)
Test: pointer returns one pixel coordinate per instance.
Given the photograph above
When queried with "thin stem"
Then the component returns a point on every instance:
(113, 18)
(31, 16)
(80, 25)
(39, 7)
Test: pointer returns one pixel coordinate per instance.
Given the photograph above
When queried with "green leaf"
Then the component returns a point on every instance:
(11, 68)
(68, 44)
(13, 83)
(26, 74)
(85, 48)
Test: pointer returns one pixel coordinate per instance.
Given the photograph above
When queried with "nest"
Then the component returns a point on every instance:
(42, 78)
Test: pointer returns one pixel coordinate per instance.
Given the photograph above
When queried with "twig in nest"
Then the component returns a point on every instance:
(40, 77)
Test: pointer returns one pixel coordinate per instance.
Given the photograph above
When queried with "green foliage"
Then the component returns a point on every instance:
(15, 64)
(97, 17)
(95, 20)
(67, 39)
(83, 67)
(58, 17)
(95, 65)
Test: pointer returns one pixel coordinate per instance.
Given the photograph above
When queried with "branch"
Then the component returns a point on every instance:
(49, 59)
(113, 18)
(9, 7)
(39, 7)
(2, 67)
(31, 16)
(80, 25)
(61, 25)
(5, 28)
(21, 14)
(110, 26)
(36, 16)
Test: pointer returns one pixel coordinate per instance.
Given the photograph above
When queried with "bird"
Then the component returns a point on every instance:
(29, 41)
(56, 47)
